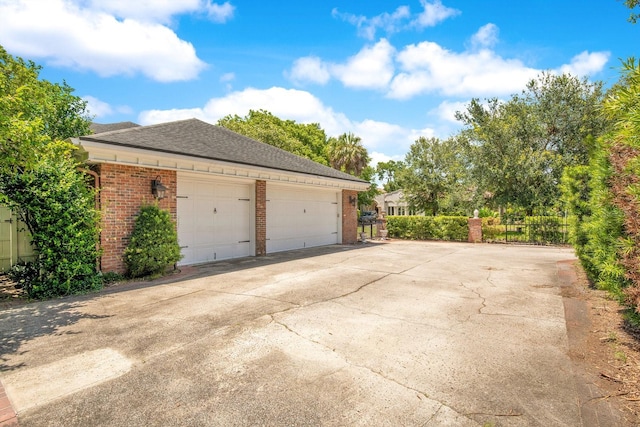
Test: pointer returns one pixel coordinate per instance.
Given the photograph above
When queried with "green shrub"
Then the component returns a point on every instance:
(491, 228)
(112, 277)
(428, 227)
(153, 245)
(56, 203)
(24, 274)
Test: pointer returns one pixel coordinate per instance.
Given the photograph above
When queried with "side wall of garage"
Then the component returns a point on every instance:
(123, 190)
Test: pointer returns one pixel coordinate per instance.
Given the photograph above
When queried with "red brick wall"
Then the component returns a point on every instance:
(261, 218)
(475, 230)
(349, 218)
(123, 190)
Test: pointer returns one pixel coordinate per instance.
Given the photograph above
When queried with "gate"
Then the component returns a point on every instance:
(536, 230)
(15, 244)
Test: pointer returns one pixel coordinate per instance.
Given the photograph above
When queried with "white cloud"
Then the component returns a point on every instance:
(161, 10)
(586, 63)
(485, 37)
(309, 69)
(99, 109)
(301, 106)
(376, 134)
(67, 34)
(399, 20)
(143, 10)
(427, 67)
(433, 14)
(96, 107)
(377, 157)
(220, 12)
(371, 68)
(227, 77)
(367, 27)
(292, 104)
(446, 110)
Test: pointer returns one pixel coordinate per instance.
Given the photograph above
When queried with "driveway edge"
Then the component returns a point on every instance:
(8, 416)
(595, 409)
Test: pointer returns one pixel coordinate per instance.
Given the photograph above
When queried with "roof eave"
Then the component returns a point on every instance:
(103, 152)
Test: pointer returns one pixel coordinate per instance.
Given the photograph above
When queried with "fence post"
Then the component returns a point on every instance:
(475, 228)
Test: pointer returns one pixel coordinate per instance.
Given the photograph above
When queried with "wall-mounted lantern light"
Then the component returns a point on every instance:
(157, 189)
(352, 200)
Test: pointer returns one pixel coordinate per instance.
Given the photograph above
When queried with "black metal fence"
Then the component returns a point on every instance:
(370, 228)
(532, 230)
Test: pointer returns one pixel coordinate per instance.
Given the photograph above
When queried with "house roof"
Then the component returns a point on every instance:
(199, 139)
(100, 127)
(394, 197)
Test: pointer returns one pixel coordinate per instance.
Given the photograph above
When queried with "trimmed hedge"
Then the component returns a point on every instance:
(491, 228)
(429, 227)
(154, 243)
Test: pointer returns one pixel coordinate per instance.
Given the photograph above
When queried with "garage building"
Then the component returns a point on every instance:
(230, 196)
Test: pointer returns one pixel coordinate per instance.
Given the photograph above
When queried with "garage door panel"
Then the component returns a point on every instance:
(298, 219)
(214, 220)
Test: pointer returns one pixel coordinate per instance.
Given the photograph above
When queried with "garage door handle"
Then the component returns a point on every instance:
(244, 241)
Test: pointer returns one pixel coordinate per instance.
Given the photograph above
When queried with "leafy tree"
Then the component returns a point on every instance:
(40, 180)
(387, 172)
(346, 153)
(520, 147)
(568, 113)
(632, 4)
(366, 198)
(305, 140)
(434, 169)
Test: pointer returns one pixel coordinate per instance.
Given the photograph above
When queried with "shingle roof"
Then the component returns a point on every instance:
(100, 127)
(196, 138)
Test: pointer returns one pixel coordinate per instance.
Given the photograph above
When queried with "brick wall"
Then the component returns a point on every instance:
(261, 218)
(349, 218)
(123, 190)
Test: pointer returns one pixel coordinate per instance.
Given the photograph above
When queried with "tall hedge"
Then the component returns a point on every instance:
(428, 227)
(604, 198)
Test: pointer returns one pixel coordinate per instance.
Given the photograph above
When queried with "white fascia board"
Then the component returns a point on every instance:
(98, 152)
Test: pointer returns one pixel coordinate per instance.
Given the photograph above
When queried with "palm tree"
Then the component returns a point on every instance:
(346, 153)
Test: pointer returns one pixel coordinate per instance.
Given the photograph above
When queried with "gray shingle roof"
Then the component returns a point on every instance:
(196, 138)
(100, 127)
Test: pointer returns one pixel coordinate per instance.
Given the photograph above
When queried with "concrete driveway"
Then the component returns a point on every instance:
(379, 334)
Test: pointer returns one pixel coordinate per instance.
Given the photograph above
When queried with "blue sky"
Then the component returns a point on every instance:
(388, 71)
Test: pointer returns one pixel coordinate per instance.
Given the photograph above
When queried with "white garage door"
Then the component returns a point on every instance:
(301, 218)
(214, 220)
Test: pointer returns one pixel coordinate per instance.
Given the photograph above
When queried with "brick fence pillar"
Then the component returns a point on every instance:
(349, 217)
(475, 230)
(261, 218)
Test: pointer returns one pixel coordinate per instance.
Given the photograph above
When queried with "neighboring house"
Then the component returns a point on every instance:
(231, 196)
(392, 203)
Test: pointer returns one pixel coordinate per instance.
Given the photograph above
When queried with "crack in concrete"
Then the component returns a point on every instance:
(382, 316)
(483, 300)
(419, 393)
